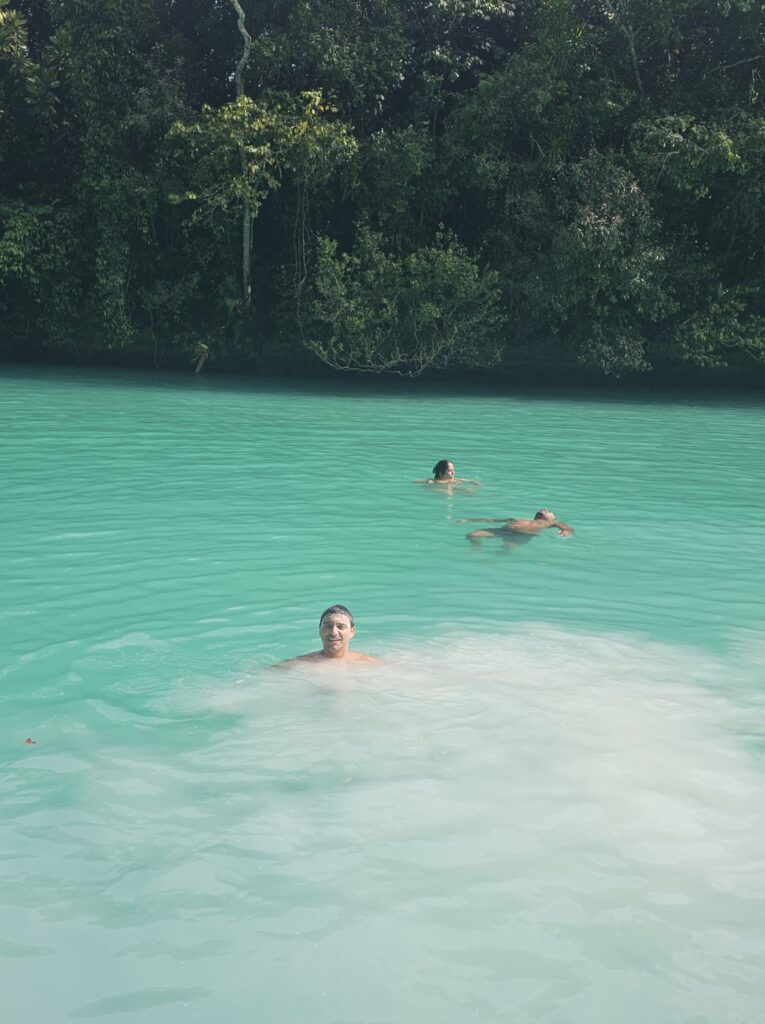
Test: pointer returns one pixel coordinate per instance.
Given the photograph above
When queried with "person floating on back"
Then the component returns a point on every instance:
(443, 473)
(336, 630)
(518, 531)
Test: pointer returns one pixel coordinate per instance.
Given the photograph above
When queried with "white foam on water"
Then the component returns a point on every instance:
(532, 826)
(590, 803)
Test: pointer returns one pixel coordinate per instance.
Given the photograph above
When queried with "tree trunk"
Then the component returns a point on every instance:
(629, 35)
(247, 211)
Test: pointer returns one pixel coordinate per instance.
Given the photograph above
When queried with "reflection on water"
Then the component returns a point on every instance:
(537, 825)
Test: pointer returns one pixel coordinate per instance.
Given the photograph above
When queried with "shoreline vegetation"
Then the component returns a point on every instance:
(538, 192)
(544, 381)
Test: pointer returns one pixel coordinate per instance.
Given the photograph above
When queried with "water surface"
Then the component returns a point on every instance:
(543, 805)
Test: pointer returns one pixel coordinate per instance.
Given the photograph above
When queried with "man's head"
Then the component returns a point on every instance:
(336, 630)
(546, 514)
(443, 470)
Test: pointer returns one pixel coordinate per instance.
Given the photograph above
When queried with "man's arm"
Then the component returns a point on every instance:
(564, 530)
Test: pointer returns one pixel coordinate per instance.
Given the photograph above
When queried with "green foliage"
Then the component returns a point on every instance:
(605, 268)
(374, 312)
(395, 185)
(21, 231)
(37, 245)
(598, 169)
(688, 154)
(723, 329)
(240, 151)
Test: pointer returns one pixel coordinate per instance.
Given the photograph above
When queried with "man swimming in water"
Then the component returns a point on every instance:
(518, 531)
(443, 473)
(336, 630)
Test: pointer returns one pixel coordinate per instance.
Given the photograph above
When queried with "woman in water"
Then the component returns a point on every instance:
(443, 473)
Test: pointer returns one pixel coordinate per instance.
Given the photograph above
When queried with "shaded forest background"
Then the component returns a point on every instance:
(385, 185)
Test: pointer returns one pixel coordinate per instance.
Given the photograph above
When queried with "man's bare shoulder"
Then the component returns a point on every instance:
(320, 656)
(300, 659)
(522, 526)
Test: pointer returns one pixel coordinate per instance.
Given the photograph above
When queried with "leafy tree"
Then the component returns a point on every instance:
(375, 312)
(598, 167)
(36, 238)
(241, 151)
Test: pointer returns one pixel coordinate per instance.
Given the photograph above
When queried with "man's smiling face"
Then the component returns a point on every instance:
(336, 632)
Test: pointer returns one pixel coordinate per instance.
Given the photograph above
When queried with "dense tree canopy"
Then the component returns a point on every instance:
(384, 185)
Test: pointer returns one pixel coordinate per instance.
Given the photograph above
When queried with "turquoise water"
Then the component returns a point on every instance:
(544, 805)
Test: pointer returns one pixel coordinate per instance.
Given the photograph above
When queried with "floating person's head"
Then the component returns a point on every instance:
(546, 514)
(443, 470)
(336, 630)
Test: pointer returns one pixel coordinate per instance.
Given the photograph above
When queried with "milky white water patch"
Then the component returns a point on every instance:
(559, 821)
(540, 822)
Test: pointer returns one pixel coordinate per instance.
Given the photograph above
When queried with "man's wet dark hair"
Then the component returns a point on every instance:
(440, 468)
(336, 609)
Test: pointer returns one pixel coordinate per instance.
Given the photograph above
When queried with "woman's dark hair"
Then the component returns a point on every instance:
(440, 468)
(336, 609)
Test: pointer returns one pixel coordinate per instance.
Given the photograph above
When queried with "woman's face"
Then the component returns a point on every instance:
(448, 473)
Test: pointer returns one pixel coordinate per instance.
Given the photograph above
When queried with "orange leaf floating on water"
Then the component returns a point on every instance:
(28, 740)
